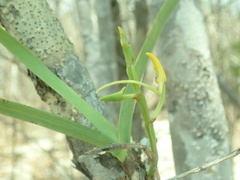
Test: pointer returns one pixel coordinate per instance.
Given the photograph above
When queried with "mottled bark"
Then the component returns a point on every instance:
(34, 25)
(197, 121)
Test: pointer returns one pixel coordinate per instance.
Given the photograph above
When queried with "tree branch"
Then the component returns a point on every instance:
(207, 165)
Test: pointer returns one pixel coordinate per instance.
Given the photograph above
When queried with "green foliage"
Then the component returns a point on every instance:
(40, 70)
(138, 95)
(127, 106)
(53, 122)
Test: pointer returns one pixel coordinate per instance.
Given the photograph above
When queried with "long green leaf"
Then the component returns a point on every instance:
(127, 106)
(53, 122)
(40, 70)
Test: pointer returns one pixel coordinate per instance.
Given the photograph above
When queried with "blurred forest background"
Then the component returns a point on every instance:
(31, 152)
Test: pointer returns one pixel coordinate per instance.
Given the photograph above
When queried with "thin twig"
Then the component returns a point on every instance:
(207, 165)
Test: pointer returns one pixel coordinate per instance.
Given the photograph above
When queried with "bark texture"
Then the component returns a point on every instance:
(197, 121)
(34, 25)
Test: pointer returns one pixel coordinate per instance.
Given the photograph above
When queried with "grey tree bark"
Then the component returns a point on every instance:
(33, 24)
(197, 121)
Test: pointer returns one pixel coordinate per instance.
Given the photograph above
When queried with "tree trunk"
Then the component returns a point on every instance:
(98, 46)
(34, 25)
(197, 121)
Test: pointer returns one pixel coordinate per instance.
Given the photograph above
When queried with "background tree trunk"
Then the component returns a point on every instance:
(97, 33)
(197, 121)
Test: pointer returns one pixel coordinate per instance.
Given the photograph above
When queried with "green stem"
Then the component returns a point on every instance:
(132, 75)
(142, 103)
(149, 129)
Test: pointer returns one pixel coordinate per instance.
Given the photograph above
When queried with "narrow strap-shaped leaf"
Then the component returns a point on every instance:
(40, 70)
(53, 122)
